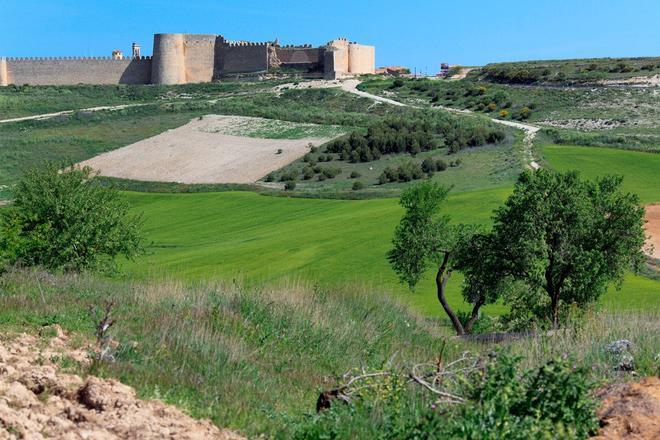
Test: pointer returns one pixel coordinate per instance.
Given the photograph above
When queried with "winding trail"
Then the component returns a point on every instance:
(68, 112)
(530, 130)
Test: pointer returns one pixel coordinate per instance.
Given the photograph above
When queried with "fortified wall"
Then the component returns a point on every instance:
(191, 58)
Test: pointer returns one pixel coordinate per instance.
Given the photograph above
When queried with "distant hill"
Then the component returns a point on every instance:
(579, 71)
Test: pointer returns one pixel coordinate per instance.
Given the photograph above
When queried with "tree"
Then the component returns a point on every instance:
(569, 237)
(63, 219)
(424, 239)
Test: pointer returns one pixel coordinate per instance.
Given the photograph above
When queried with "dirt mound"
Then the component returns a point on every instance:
(630, 410)
(653, 228)
(38, 401)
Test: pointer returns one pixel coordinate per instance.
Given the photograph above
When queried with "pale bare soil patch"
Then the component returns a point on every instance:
(200, 152)
(39, 401)
(640, 81)
(653, 229)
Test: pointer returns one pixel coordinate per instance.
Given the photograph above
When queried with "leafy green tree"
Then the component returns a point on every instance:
(424, 239)
(569, 237)
(63, 219)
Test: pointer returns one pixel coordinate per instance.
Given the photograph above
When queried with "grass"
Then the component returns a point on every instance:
(277, 129)
(83, 135)
(619, 116)
(586, 70)
(491, 166)
(255, 359)
(26, 100)
(249, 359)
(257, 238)
(641, 171)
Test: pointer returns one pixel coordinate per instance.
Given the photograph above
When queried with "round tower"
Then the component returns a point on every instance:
(168, 62)
(4, 75)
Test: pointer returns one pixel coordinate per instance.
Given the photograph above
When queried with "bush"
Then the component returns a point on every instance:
(398, 83)
(440, 165)
(403, 173)
(270, 177)
(429, 165)
(355, 175)
(503, 401)
(357, 185)
(525, 113)
(308, 173)
(290, 185)
(504, 114)
(65, 220)
(331, 172)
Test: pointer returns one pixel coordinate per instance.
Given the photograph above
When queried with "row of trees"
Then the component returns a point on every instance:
(557, 241)
(414, 136)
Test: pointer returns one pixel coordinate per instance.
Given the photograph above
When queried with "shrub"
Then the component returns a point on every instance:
(503, 401)
(429, 165)
(357, 185)
(307, 158)
(525, 113)
(308, 173)
(290, 185)
(331, 172)
(398, 83)
(440, 165)
(491, 107)
(63, 219)
(355, 175)
(270, 177)
(504, 114)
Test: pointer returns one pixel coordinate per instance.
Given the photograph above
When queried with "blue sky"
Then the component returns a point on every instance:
(416, 33)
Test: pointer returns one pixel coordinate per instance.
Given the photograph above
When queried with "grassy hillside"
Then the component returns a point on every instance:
(641, 170)
(571, 71)
(624, 117)
(255, 360)
(259, 238)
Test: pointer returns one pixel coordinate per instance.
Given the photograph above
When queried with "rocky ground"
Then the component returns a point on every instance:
(38, 400)
(630, 410)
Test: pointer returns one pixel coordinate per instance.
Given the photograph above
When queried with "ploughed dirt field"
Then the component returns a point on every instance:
(653, 228)
(214, 149)
(39, 401)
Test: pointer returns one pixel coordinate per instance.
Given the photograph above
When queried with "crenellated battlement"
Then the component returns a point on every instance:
(74, 58)
(247, 43)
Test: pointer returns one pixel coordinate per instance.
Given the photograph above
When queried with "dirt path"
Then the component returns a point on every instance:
(530, 130)
(39, 401)
(68, 112)
(462, 73)
(653, 228)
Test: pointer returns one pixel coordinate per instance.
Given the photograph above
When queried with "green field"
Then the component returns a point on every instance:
(641, 170)
(258, 239)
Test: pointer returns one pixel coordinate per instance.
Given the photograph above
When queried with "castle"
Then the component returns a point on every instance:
(192, 58)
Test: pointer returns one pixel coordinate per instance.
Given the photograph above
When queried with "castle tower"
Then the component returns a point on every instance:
(4, 76)
(168, 61)
(135, 50)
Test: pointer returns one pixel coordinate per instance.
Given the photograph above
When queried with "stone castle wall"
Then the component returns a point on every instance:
(71, 71)
(191, 58)
(300, 56)
(241, 58)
